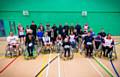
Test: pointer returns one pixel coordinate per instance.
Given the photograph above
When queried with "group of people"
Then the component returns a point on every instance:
(67, 36)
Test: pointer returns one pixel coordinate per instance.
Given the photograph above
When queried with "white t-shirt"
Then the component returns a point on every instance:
(46, 39)
(108, 42)
(72, 38)
(12, 39)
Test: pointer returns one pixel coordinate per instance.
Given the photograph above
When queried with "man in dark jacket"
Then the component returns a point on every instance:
(33, 26)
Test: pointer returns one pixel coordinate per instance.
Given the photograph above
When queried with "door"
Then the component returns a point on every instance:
(2, 29)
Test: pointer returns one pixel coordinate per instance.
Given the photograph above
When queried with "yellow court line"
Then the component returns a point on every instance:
(44, 61)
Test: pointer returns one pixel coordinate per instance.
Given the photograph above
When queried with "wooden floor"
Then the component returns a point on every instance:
(79, 66)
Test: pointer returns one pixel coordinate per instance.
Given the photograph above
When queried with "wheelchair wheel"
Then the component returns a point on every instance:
(112, 55)
(8, 53)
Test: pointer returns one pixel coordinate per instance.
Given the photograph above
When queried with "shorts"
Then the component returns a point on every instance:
(20, 36)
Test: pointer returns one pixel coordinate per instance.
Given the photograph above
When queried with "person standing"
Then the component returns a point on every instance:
(33, 27)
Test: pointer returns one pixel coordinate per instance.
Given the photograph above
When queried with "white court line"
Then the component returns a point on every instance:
(47, 70)
(58, 65)
(96, 69)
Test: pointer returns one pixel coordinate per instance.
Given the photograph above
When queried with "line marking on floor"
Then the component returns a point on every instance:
(115, 70)
(45, 66)
(104, 67)
(47, 70)
(44, 61)
(96, 69)
(8, 65)
(58, 65)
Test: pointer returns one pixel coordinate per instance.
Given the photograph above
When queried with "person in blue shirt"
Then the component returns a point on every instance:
(40, 34)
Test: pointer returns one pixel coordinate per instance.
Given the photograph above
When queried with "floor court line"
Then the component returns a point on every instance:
(43, 63)
(8, 65)
(45, 66)
(59, 65)
(47, 70)
(104, 67)
(96, 69)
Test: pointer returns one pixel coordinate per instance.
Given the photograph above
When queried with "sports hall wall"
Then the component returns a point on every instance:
(101, 13)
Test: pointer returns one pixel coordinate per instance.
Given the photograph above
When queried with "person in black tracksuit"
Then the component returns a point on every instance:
(30, 44)
(66, 27)
(60, 28)
(33, 26)
(89, 44)
(66, 46)
(78, 27)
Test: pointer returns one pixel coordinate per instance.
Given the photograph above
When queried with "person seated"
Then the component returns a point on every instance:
(89, 44)
(46, 40)
(98, 41)
(13, 41)
(72, 40)
(29, 42)
(107, 45)
(59, 40)
(66, 46)
(40, 35)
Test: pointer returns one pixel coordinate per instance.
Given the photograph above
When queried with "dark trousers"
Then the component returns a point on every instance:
(67, 50)
(106, 50)
(30, 50)
(97, 44)
(89, 50)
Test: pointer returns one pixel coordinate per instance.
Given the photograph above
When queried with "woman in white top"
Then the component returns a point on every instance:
(72, 40)
(107, 45)
(46, 39)
(21, 33)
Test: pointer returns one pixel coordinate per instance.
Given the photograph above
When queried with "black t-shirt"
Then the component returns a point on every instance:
(33, 27)
(102, 34)
(88, 40)
(66, 44)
